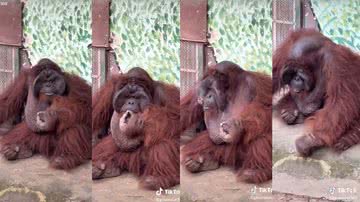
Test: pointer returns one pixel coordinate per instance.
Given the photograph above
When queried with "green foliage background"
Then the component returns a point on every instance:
(241, 31)
(146, 34)
(340, 20)
(59, 30)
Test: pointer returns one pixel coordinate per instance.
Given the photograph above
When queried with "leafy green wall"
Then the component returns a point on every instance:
(340, 20)
(146, 34)
(59, 30)
(241, 31)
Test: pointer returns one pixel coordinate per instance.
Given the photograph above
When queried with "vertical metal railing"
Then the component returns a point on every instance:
(10, 40)
(193, 36)
(289, 15)
(100, 41)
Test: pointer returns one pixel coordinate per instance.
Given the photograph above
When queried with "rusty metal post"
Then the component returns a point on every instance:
(100, 41)
(286, 17)
(193, 20)
(10, 40)
(309, 19)
(193, 39)
(10, 23)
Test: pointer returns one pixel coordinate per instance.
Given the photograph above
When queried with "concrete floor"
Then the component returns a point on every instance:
(32, 180)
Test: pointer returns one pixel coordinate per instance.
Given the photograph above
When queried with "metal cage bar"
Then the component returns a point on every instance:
(9, 65)
(99, 62)
(100, 41)
(191, 65)
(286, 17)
(10, 40)
(308, 16)
(193, 35)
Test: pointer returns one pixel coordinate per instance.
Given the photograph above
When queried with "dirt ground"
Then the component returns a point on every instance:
(124, 188)
(220, 185)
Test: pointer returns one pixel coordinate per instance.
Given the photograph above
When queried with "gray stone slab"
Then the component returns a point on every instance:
(326, 174)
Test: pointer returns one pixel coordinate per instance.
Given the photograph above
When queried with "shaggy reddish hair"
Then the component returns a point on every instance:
(156, 161)
(250, 152)
(72, 140)
(336, 123)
